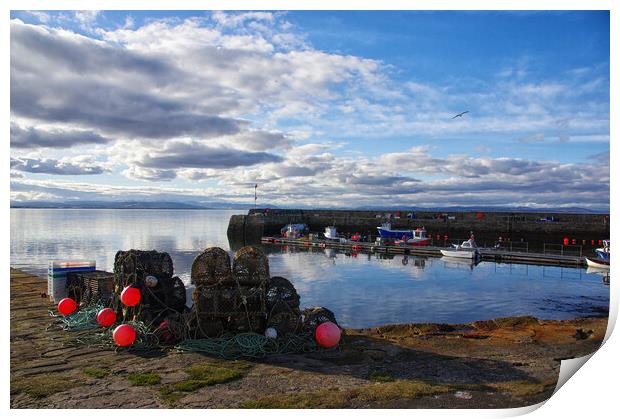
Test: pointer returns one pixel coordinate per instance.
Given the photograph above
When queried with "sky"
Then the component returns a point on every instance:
(317, 108)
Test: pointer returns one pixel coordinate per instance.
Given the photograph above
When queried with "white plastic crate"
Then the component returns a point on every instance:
(57, 275)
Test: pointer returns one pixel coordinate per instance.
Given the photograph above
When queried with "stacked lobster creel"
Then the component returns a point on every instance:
(283, 314)
(237, 298)
(225, 299)
(242, 299)
(162, 296)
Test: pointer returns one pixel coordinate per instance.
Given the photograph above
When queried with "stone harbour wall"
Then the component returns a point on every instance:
(535, 228)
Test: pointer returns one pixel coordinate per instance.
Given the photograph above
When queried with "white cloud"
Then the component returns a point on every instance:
(33, 196)
(238, 98)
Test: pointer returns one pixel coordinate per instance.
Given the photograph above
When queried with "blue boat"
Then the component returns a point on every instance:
(386, 231)
(415, 237)
(602, 253)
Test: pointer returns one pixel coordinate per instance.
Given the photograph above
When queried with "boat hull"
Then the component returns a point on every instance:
(461, 254)
(395, 234)
(419, 242)
(597, 263)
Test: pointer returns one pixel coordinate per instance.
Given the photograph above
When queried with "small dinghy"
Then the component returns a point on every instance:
(465, 250)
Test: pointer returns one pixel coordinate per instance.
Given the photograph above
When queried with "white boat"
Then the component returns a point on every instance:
(602, 259)
(465, 250)
(597, 263)
(330, 233)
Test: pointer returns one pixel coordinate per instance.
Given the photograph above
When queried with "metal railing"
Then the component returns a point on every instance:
(563, 250)
(510, 246)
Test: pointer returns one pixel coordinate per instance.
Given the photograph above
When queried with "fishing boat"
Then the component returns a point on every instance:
(415, 237)
(293, 231)
(465, 250)
(602, 259)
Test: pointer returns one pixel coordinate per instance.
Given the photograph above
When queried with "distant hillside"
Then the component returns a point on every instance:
(228, 205)
(129, 205)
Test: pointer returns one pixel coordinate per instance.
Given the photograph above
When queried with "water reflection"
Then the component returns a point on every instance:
(458, 263)
(374, 289)
(38, 235)
(603, 273)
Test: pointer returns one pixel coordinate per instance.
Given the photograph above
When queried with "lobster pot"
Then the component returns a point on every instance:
(97, 286)
(211, 267)
(283, 312)
(225, 302)
(244, 324)
(132, 266)
(314, 316)
(57, 271)
(250, 266)
(235, 309)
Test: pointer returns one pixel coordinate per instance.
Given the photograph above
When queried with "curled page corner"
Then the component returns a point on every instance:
(568, 367)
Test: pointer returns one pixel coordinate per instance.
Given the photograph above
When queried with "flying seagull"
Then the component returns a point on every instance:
(461, 114)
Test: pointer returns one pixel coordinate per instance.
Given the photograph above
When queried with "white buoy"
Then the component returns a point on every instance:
(151, 281)
(271, 333)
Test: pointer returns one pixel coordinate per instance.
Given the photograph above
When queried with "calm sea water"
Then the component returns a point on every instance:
(362, 290)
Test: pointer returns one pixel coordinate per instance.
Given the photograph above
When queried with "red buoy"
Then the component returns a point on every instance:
(327, 334)
(67, 306)
(130, 296)
(163, 332)
(106, 317)
(124, 335)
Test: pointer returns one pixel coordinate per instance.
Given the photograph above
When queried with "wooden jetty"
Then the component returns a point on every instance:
(487, 254)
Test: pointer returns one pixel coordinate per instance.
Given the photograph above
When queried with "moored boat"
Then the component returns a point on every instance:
(602, 259)
(330, 233)
(597, 263)
(293, 231)
(461, 254)
(465, 250)
(415, 237)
